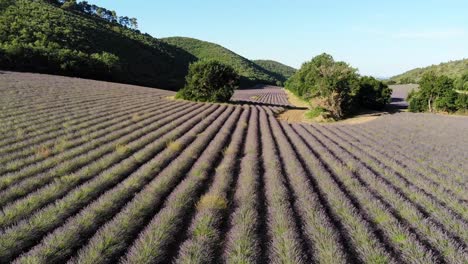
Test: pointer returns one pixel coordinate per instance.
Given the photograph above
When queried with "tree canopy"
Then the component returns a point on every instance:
(209, 81)
(436, 93)
(336, 87)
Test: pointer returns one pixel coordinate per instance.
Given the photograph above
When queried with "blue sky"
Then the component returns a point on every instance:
(381, 38)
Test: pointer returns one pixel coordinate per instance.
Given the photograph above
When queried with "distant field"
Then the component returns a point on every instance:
(263, 94)
(96, 172)
(400, 92)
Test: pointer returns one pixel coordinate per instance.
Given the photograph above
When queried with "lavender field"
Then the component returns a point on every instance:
(262, 94)
(399, 94)
(96, 172)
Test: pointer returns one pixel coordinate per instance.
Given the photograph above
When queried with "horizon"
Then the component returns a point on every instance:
(356, 33)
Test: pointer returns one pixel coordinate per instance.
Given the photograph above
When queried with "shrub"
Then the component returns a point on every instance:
(373, 93)
(209, 81)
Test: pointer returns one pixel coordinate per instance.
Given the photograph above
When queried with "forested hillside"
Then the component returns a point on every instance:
(86, 41)
(452, 69)
(282, 71)
(250, 72)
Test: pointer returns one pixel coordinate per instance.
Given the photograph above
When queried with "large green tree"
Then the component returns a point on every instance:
(209, 81)
(373, 94)
(436, 93)
(330, 84)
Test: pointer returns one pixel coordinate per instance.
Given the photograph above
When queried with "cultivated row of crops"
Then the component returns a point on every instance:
(93, 172)
(264, 94)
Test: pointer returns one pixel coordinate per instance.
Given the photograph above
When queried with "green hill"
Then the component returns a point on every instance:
(250, 72)
(453, 69)
(86, 41)
(282, 71)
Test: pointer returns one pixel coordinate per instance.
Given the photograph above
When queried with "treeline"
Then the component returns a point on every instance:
(440, 93)
(97, 11)
(452, 69)
(335, 90)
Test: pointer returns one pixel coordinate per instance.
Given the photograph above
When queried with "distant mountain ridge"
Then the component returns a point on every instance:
(453, 69)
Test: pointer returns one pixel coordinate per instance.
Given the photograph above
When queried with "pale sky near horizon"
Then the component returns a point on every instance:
(380, 38)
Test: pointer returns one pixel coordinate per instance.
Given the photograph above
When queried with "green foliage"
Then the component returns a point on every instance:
(333, 85)
(436, 93)
(209, 81)
(315, 112)
(373, 93)
(335, 88)
(249, 72)
(282, 72)
(462, 102)
(39, 36)
(407, 80)
(452, 69)
(462, 82)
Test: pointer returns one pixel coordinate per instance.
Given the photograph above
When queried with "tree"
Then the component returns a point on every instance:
(373, 93)
(209, 81)
(124, 21)
(328, 84)
(134, 23)
(433, 87)
(436, 93)
(113, 16)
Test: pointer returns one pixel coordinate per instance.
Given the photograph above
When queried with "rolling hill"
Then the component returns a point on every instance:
(250, 72)
(282, 71)
(453, 69)
(39, 36)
